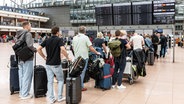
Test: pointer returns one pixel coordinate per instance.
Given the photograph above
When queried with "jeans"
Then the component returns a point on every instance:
(25, 77)
(118, 72)
(51, 71)
(163, 51)
(83, 73)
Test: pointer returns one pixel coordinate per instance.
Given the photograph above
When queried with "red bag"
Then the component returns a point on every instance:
(110, 61)
(111, 71)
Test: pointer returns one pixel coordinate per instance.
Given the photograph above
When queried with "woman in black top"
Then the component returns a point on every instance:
(99, 44)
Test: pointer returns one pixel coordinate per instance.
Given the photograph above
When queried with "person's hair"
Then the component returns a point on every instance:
(82, 29)
(99, 35)
(25, 23)
(123, 32)
(55, 30)
(118, 32)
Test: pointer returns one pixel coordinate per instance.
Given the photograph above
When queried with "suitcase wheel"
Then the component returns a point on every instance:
(131, 81)
(11, 90)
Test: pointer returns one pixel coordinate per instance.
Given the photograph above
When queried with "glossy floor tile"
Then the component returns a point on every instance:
(164, 84)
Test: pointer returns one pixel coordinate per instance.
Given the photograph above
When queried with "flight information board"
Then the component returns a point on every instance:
(104, 14)
(164, 6)
(102, 20)
(164, 18)
(123, 19)
(103, 9)
(164, 12)
(142, 19)
(122, 14)
(142, 7)
(122, 8)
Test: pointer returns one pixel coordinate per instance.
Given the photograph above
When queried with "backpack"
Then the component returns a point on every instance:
(115, 47)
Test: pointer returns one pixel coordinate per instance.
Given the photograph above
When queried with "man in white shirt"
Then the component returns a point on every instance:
(81, 46)
(137, 41)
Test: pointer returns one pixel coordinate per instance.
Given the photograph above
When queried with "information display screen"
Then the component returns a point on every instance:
(122, 8)
(103, 9)
(123, 19)
(103, 20)
(104, 15)
(142, 19)
(164, 12)
(164, 6)
(142, 7)
(164, 18)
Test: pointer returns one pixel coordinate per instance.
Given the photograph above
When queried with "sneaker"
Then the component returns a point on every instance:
(62, 99)
(27, 97)
(52, 101)
(121, 86)
(113, 86)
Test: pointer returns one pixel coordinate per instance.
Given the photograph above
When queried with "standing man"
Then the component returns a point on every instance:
(25, 67)
(54, 48)
(163, 42)
(137, 41)
(81, 45)
(155, 41)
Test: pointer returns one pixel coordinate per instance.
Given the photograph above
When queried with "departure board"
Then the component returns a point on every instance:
(164, 12)
(104, 14)
(103, 20)
(142, 13)
(164, 18)
(123, 19)
(103, 9)
(122, 8)
(142, 7)
(122, 14)
(164, 6)
(142, 19)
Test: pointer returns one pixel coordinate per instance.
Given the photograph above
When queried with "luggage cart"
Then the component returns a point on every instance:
(130, 70)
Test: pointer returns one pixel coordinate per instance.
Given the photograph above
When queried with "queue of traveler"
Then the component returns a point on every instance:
(81, 45)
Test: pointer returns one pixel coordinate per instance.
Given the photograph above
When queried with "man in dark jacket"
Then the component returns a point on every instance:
(163, 42)
(155, 41)
(25, 67)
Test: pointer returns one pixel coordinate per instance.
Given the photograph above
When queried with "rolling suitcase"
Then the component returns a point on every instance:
(150, 58)
(106, 82)
(86, 77)
(73, 89)
(40, 80)
(14, 76)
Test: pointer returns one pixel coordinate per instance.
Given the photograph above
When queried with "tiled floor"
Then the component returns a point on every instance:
(164, 84)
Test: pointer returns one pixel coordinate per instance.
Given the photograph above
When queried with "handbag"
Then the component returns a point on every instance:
(21, 49)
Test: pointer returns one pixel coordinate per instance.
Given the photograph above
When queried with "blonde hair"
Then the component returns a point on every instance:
(99, 35)
(123, 32)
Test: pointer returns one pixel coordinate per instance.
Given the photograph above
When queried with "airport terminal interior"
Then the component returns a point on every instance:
(163, 82)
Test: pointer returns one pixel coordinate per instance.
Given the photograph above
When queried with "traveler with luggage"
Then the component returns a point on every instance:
(81, 44)
(99, 44)
(26, 66)
(163, 42)
(119, 54)
(155, 41)
(137, 41)
(54, 48)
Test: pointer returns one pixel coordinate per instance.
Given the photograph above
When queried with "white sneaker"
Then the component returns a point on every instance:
(52, 101)
(62, 99)
(113, 86)
(121, 86)
(27, 97)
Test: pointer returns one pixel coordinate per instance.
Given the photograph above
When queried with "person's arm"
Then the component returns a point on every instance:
(29, 41)
(142, 41)
(93, 50)
(64, 52)
(39, 50)
(127, 46)
(104, 48)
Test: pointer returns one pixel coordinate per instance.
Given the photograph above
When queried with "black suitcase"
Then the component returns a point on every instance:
(77, 67)
(14, 76)
(73, 90)
(150, 58)
(65, 73)
(40, 80)
(86, 77)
